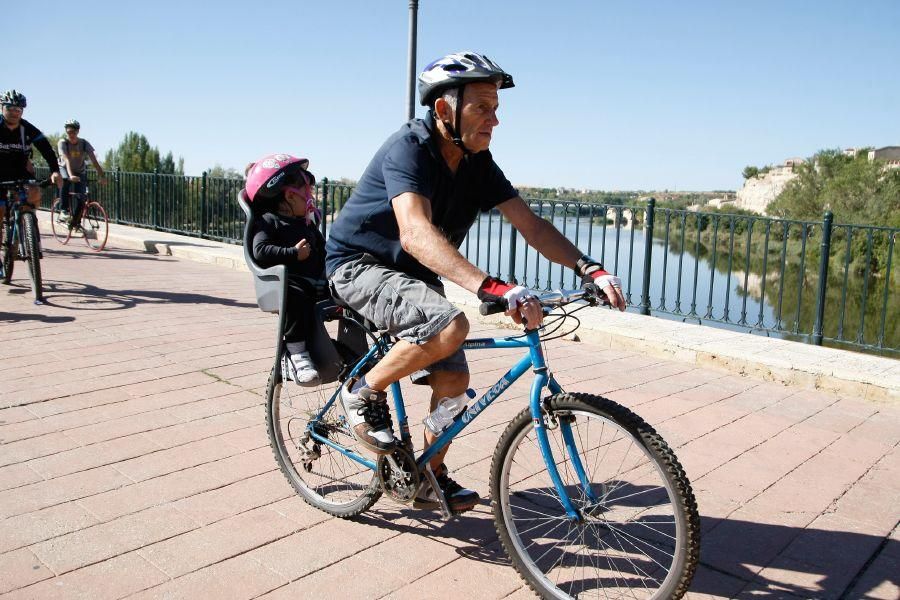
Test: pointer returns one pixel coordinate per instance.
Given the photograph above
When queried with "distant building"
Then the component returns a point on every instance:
(889, 154)
(721, 202)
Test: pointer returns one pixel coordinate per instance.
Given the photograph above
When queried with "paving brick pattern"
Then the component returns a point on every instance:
(134, 460)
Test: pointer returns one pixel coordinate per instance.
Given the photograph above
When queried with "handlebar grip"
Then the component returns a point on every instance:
(492, 308)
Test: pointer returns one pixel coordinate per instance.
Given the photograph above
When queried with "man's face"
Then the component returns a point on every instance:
(71, 132)
(12, 115)
(479, 115)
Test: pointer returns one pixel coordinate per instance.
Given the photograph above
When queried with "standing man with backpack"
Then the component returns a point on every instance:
(73, 151)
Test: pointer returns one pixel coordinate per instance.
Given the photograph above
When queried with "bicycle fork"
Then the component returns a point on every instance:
(541, 380)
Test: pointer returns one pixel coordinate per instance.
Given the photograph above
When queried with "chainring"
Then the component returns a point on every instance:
(398, 474)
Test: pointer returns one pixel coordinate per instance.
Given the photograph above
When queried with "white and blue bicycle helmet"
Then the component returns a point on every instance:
(456, 71)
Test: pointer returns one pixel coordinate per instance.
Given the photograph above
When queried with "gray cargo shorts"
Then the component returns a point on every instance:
(399, 304)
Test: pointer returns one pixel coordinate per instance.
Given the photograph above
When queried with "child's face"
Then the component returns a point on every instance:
(297, 197)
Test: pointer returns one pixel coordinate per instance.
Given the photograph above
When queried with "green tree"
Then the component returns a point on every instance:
(221, 172)
(856, 190)
(135, 154)
(750, 171)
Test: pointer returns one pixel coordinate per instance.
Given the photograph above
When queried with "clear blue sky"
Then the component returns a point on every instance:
(624, 95)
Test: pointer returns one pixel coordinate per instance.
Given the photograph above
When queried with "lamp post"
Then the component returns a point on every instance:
(411, 61)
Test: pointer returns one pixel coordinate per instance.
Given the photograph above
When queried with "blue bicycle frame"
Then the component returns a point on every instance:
(542, 378)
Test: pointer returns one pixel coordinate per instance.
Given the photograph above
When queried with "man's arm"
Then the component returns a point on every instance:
(64, 158)
(424, 242)
(547, 239)
(539, 233)
(47, 152)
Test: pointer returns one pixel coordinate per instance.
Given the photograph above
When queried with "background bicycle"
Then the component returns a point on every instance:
(21, 238)
(88, 220)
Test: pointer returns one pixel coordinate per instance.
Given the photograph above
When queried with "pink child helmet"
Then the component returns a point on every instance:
(270, 174)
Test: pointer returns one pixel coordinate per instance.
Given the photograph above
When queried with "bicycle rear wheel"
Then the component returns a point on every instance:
(33, 254)
(59, 224)
(323, 476)
(639, 533)
(10, 250)
(95, 226)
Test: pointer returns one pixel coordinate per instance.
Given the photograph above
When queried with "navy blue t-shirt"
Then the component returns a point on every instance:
(410, 161)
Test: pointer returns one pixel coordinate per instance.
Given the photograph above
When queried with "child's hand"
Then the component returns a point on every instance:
(303, 249)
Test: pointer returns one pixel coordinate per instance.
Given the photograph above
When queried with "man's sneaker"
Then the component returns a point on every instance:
(369, 417)
(300, 369)
(459, 499)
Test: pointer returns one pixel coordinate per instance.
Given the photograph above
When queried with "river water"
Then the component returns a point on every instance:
(683, 284)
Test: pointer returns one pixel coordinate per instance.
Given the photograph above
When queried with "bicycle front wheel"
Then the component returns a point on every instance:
(59, 224)
(10, 250)
(323, 476)
(33, 253)
(638, 535)
(95, 226)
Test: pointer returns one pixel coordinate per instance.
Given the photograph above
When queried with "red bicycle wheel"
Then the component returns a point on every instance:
(59, 224)
(95, 226)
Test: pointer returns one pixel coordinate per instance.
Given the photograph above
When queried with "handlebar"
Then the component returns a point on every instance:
(549, 300)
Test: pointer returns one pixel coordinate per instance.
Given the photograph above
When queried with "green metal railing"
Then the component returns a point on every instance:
(812, 281)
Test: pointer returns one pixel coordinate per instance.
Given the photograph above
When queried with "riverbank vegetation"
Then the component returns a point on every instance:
(856, 190)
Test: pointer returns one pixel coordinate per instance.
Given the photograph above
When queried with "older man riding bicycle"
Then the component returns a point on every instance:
(400, 231)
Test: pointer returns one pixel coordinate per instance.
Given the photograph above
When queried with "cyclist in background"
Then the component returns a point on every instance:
(16, 138)
(73, 151)
(401, 230)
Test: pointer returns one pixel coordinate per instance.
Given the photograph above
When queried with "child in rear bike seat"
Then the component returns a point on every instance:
(280, 193)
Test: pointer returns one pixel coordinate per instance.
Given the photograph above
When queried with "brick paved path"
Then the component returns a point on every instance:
(134, 460)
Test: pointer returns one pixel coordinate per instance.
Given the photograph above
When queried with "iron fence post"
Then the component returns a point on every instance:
(512, 253)
(648, 253)
(203, 221)
(118, 185)
(818, 327)
(322, 225)
(154, 198)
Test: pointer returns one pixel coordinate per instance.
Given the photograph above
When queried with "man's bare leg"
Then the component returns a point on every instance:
(444, 384)
(405, 358)
(458, 498)
(366, 406)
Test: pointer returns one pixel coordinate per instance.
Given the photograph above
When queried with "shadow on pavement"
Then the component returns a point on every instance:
(476, 531)
(6, 317)
(831, 563)
(66, 252)
(820, 563)
(84, 296)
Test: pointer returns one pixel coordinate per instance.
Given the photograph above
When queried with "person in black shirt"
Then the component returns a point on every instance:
(16, 138)
(400, 231)
(280, 189)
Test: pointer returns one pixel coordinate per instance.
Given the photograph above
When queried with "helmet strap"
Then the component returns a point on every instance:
(455, 137)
